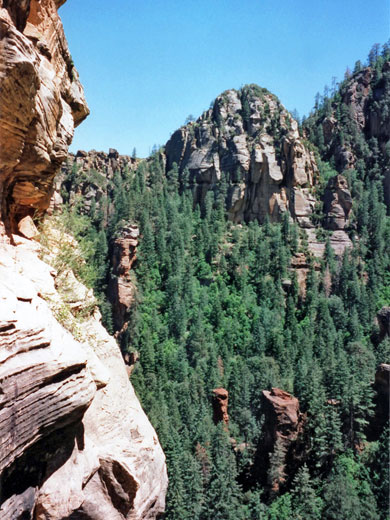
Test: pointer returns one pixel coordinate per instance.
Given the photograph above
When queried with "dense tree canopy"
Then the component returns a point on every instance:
(218, 305)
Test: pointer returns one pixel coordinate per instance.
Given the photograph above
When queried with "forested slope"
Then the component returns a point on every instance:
(218, 305)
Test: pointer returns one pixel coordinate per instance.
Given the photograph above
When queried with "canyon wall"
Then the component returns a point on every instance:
(248, 142)
(75, 442)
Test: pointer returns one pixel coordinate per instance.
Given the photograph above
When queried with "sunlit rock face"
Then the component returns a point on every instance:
(248, 144)
(73, 436)
(74, 440)
(41, 101)
(337, 203)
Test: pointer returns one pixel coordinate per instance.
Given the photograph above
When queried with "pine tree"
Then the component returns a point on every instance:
(306, 505)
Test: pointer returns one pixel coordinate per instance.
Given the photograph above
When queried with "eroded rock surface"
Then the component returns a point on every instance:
(121, 287)
(74, 440)
(220, 406)
(282, 429)
(337, 203)
(40, 104)
(249, 144)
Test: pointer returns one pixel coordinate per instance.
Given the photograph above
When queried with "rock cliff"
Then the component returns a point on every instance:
(220, 406)
(249, 144)
(337, 203)
(41, 103)
(75, 442)
(90, 175)
(352, 128)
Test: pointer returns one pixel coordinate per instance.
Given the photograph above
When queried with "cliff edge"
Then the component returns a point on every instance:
(75, 442)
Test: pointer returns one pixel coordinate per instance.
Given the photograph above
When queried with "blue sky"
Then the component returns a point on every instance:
(147, 64)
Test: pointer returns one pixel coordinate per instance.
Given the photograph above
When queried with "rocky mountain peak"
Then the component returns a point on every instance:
(248, 144)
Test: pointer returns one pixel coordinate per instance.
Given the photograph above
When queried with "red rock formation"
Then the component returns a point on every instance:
(41, 102)
(220, 406)
(283, 425)
(121, 288)
(283, 418)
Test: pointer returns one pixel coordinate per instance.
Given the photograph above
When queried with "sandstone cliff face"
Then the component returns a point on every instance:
(337, 203)
(89, 175)
(41, 102)
(74, 441)
(250, 141)
(355, 124)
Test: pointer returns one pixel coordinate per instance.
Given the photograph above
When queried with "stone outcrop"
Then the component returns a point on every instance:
(40, 104)
(358, 115)
(121, 287)
(337, 203)
(248, 143)
(108, 163)
(220, 403)
(383, 318)
(282, 416)
(89, 176)
(74, 440)
(282, 430)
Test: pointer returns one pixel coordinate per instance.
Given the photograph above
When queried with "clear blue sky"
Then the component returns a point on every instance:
(147, 64)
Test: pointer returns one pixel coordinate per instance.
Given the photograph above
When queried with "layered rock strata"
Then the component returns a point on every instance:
(74, 441)
(249, 144)
(40, 104)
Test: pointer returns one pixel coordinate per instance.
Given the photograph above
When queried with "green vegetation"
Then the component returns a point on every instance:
(217, 305)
